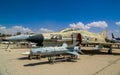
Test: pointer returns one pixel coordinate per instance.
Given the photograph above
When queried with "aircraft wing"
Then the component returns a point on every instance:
(73, 53)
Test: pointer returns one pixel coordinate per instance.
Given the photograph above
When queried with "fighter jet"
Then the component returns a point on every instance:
(86, 36)
(68, 34)
(83, 36)
(63, 35)
(51, 52)
(40, 38)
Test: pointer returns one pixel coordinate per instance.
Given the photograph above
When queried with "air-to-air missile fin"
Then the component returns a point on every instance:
(64, 45)
(73, 53)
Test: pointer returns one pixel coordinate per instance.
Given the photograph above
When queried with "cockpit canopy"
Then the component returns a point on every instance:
(69, 29)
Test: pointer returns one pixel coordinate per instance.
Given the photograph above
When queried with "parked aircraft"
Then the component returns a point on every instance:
(83, 36)
(38, 38)
(51, 52)
(67, 33)
(116, 40)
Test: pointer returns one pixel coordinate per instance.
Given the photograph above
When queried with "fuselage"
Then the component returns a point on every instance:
(86, 35)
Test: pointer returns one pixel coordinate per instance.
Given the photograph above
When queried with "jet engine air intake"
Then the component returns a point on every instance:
(56, 37)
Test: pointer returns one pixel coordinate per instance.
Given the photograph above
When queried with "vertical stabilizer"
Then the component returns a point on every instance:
(113, 36)
(104, 33)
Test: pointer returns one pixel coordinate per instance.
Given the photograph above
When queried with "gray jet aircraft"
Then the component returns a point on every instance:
(35, 38)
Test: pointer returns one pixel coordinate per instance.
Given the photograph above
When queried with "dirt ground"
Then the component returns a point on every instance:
(90, 63)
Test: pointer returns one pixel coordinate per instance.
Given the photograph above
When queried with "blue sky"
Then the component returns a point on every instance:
(58, 14)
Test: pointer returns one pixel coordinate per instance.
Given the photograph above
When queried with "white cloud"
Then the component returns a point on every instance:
(73, 25)
(45, 30)
(117, 31)
(118, 23)
(99, 24)
(21, 29)
(3, 29)
(17, 28)
(14, 29)
(79, 25)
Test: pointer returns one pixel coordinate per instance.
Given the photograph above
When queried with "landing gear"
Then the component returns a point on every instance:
(39, 57)
(51, 59)
(30, 57)
(110, 50)
(74, 57)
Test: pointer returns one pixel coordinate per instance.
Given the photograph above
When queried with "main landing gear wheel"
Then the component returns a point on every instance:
(39, 57)
(30, 57)
(51, 59)
(74, 57)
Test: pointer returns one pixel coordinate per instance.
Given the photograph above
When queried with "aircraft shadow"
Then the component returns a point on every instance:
(35, 64)
(23, 58)
(47, 62)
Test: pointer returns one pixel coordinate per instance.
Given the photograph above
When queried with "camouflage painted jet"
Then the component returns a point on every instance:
(82, 36)
(68, 33)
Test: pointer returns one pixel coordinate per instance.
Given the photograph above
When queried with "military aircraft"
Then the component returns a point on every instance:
(115, 40)
(39, 38)
(68, 33)
(51, 52)
(82, 36)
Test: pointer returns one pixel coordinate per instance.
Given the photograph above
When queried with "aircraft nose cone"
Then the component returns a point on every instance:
(36, 38)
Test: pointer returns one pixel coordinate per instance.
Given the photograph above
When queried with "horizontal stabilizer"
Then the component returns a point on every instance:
(74, 53)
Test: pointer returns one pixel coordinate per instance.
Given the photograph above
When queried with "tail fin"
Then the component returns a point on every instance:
(113, 36)
(64, 45)
(104, 33)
